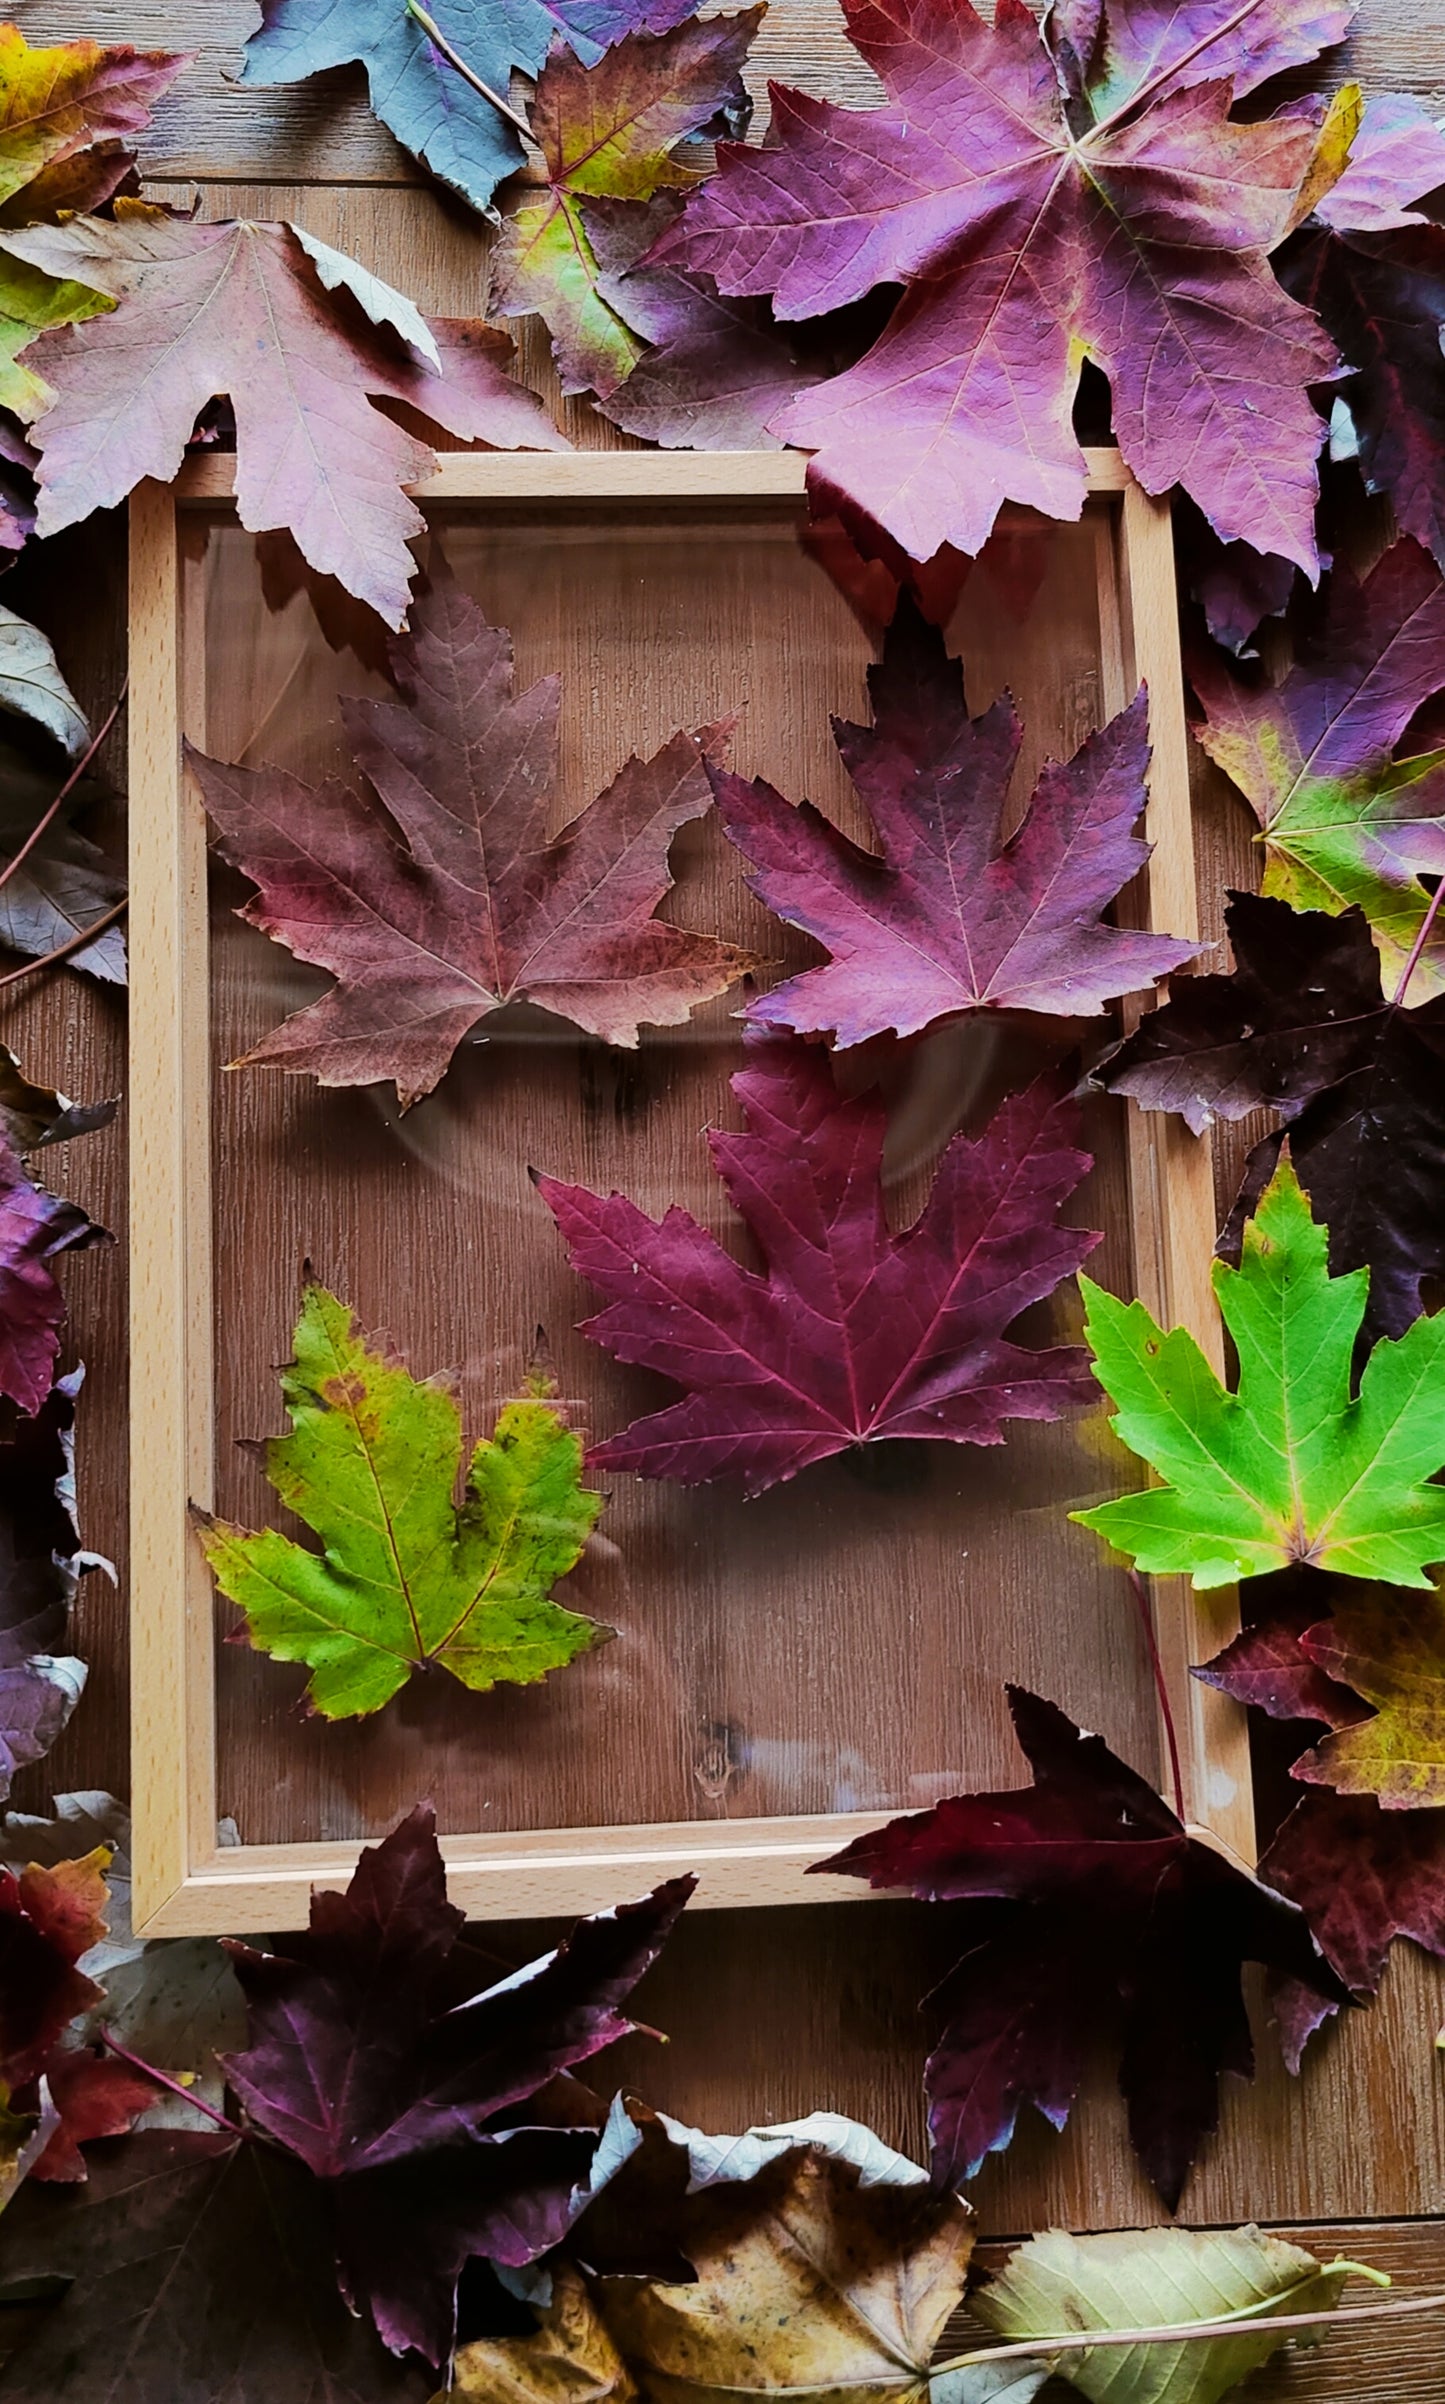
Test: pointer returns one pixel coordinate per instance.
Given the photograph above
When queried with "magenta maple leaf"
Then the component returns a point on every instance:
(35, 1226)
(852, 1334)
(1085, 1912)
(414, 2089)
(951, 917)
(1040, 208)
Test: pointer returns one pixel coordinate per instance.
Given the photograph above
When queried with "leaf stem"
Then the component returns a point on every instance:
(163, 2079)
(1166, 1712)
(1084, 2341)
(73, 943)
(76, 773)
(1416, 947)
(439, 42)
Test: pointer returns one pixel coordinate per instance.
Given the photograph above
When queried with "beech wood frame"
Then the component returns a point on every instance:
(185, 1884)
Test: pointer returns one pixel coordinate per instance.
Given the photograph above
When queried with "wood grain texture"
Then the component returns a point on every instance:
(212, 130)
(768, 2013)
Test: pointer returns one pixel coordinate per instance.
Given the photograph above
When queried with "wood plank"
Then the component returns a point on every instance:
(211, 129)
(1171, 1179)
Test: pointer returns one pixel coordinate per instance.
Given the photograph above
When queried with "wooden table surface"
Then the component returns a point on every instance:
(769, 2013)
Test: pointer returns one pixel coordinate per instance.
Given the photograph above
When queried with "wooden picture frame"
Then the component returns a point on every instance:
(185, 1883)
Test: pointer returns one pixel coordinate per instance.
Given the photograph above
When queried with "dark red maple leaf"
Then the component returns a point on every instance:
(1039, 206)
(853, 1334)
(1266, 1665)
(1302, 1026)
(414, 2092)
(951, 918)
(432, 892)
(1088, 1913)
(1362, 1877)
(50, 1917)
(1372, 265)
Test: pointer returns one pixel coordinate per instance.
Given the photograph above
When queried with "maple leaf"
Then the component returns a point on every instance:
(417, 91)
(951, 918)
(713, 370)
(1266, 1664)
(35, 1228)
(1302, 1026)
(1363, 1877)
(41, 1564)
(1372, 266)
(853, 1334)
(1391, 1653)
(375, 2060)
(608, 132)
(51, 1922)
(433, 894)
(1292, 1466)
(1236, 588)
(222, 2259)
(64, 115)
(244, 309)
(1091, 1915)
(1342, 821)
(406, 1578)
(168, 2002)
(1024, 246)
(1119, 50)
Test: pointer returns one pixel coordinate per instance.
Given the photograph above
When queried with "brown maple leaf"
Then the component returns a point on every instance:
(430, 890)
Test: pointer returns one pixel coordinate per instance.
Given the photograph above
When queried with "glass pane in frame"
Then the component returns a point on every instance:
(841, 1643)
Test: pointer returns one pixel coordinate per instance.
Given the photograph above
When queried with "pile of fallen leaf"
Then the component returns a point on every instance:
(294, 2216)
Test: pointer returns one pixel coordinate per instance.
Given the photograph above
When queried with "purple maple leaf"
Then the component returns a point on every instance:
(852, 1334)
(35, 1226)
(418, 2101)
(1266, 1665)
(1088, 1912)
(952, 918)
(1037, 207)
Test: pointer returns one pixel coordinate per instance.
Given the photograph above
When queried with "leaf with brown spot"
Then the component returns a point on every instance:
(406, 1579)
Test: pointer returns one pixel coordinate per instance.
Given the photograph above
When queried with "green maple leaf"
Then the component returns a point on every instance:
(407, 1577)
(1293, 1466)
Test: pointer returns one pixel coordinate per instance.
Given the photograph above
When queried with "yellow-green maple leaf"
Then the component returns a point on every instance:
(406, 1576)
